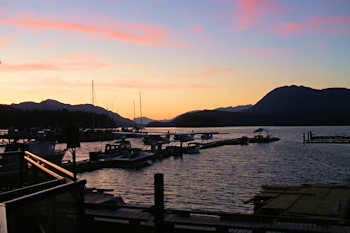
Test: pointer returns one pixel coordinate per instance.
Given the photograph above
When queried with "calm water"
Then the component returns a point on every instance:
(222, 178)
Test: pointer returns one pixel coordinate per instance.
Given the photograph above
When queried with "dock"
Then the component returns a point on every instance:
(309, 137)
(115, 214)
(234, 141)
(48, 198)
(176, 151)
(314, 202)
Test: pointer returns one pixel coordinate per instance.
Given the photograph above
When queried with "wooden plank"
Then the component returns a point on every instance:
(335, 195)
(267, 194)
(282, 202)
(305, 205)
(117, 214)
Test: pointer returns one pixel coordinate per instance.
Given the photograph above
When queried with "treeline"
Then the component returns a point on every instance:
(19, 119)
(210, 118)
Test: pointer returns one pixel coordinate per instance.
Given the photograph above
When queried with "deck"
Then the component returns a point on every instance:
(324, 203)
(110, 215)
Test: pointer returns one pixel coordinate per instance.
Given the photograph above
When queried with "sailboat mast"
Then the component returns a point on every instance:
(134, 110)
(93, 106)
(140, 109)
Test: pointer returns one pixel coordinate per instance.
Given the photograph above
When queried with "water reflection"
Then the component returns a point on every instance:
(222, 178)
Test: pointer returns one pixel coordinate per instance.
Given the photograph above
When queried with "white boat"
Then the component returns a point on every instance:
(121, 154)
(153, 139)
(42, 147)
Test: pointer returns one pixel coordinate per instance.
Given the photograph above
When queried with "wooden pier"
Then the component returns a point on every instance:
(109, 214)
(234, 141)
(320, 203)
(309, 137)
(87, 165)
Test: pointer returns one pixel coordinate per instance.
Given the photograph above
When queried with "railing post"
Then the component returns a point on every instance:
(74, 165)
(21, 172)
(159, 202)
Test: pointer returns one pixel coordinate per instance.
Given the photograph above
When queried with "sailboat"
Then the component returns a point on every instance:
(137, 131)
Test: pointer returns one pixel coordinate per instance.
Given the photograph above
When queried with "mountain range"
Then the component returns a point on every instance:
(53, 105)
(288, 105)
(146, 120)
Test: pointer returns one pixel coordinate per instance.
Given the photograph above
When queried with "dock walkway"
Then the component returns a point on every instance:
(309, 137)
(110, 214)
(134, 219)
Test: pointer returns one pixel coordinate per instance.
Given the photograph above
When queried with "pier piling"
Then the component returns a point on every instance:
(159, 202)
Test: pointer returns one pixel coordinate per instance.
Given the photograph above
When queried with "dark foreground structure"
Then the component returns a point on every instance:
(38, 196)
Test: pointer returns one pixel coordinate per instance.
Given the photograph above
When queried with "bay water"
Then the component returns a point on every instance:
(221, 178)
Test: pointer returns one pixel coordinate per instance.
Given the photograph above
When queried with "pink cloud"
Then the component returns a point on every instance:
(6, 40)
(2, 10)
(4, 43)
(273, 52)
(335, 25)
(197, 29)
(136, 66)
(46, 45)
(55, 64)
(248, 13)
(146, 34)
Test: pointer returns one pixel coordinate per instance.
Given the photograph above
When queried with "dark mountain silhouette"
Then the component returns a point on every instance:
(289, 105)
(235, 109)
(238, 108)
(50, 119)
(53, 105)
(299, 98)
(145, 120)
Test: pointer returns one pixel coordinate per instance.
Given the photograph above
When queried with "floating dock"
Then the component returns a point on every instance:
(309, 137)
(175, 151)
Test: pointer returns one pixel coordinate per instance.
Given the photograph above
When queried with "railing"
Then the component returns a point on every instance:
(42, 197)
(24, 168)
(41, 163)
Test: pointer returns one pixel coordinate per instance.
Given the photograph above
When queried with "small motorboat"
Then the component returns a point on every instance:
(192, 148)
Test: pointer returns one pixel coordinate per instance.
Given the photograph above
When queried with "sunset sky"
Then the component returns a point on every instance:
(182, 55)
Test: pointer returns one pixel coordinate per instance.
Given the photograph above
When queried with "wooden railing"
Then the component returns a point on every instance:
(18, 169)
(42, 164)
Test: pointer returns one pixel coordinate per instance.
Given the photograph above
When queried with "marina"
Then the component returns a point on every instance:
(84, 210)
(218, 116)
(203, 196)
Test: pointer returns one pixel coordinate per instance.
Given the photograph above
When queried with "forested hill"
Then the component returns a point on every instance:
(20, 119)
(289, 106)
(53, 105)
(300, 98)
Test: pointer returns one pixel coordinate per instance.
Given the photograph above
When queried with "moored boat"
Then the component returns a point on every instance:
(121, 154)
(192, 148)
(42, 147)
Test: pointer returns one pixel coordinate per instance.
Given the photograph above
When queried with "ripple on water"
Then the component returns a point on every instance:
(222, 178)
